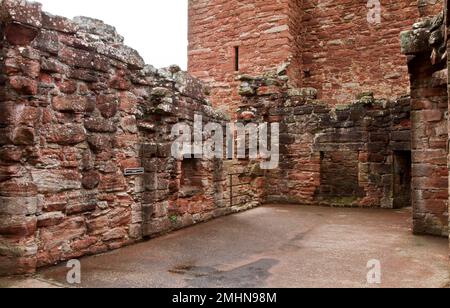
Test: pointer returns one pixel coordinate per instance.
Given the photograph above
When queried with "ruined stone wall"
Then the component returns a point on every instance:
(426, 50)
(176, 194)
(264, 31)
(344, 55)
(318, 141)
(446, 38)
(77, 109)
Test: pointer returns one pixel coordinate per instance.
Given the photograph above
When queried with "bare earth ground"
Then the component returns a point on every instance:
(271, 246)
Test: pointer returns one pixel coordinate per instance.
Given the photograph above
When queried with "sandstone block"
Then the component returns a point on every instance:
(18, 187)
(128, 102)
(24, 12)
(47, 41)
(53, 66)
(22, 35)
(105, 32)
(74, 103)
(17, 265)
(129, 124)
(112, 183)
(90, 180)
(24, 85)
(50, 219)
(100, 143)
(98, 225)
(81, 204)
(119, 217)
(69, 134)
(100, 125)
(17, 225)
(415, 41)
(54, 181)
(115, 234)
(58, 23)
(108, 105)
(55, 236)
(24, 136)
(18, 206)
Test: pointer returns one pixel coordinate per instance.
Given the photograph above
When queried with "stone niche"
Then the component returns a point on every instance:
(192, 174)
(339, 176)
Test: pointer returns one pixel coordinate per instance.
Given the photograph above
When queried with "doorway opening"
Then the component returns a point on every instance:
(402, 179)
(191, 177)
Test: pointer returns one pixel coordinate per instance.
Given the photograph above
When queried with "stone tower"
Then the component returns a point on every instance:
(330, 46)
(227, 38)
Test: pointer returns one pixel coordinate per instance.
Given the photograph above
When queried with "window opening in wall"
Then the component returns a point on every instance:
(236, 58)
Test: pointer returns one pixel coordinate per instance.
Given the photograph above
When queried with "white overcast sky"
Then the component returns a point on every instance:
(155, 28)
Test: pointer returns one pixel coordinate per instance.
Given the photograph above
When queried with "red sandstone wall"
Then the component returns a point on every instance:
(430, 170)
(332, 156)
(330, 44)
(76, 111)
(265, 32)
(345, 55)
(447, 42)
(429, 104)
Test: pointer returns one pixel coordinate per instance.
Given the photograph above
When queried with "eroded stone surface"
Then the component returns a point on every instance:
(78, 108)
(429, 101)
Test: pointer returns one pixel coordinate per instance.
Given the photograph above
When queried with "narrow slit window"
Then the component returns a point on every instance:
(236, 58)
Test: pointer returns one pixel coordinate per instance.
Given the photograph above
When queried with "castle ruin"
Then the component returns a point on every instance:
(85, 124)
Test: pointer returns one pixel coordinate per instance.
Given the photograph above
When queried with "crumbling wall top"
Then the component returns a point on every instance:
(427, 36)
(84, 33)
(104, 32)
